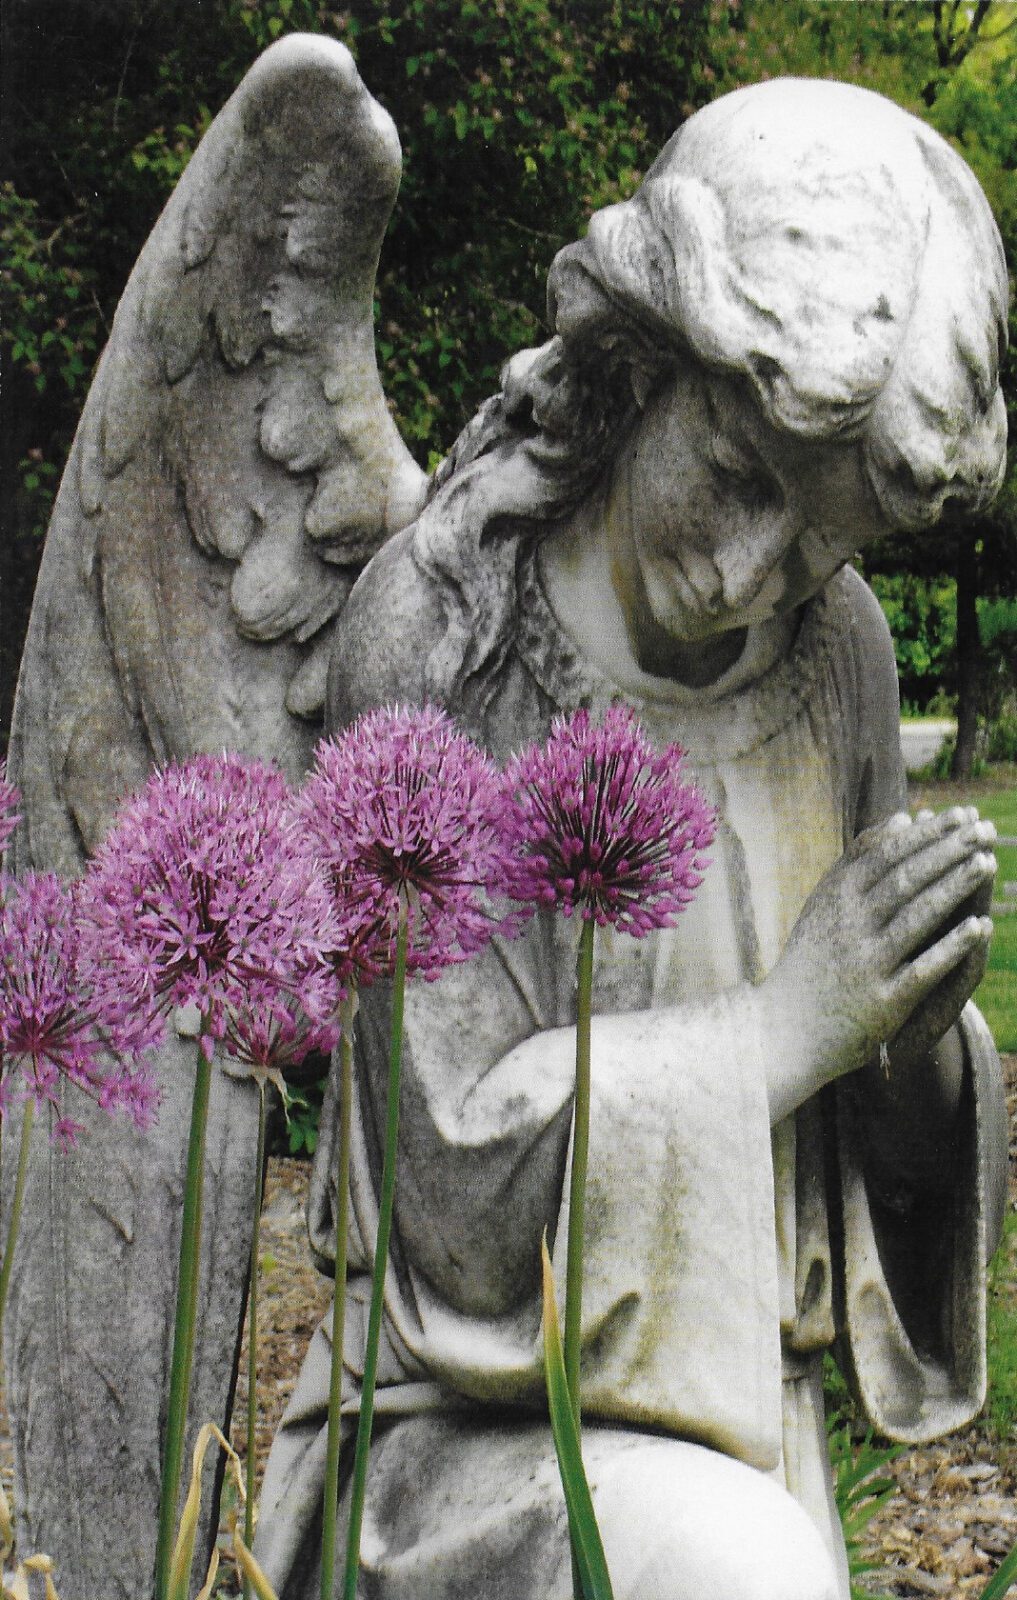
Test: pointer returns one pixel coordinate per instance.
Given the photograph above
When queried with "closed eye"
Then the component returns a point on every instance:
(742, 475)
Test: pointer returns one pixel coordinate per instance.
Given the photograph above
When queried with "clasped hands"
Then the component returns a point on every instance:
(886, 951)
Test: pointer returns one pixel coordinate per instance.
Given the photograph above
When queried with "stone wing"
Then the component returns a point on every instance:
(235, 467)
(236, 463)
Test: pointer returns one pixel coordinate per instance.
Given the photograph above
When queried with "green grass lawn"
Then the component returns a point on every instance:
(995, 795)
(1001, 1408)
(996, 995)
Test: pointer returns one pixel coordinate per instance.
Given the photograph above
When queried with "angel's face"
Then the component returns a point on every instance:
(717, 521)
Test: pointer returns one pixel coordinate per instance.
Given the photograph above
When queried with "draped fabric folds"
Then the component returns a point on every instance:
(723, 1257)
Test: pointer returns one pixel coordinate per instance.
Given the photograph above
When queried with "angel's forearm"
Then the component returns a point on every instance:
(483, 1157)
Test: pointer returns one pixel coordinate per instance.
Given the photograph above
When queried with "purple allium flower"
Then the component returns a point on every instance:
(404, 809)
(364, 948)
(271, 1039)
(9, 814)
(53, 1026)
(605, 825)
(200, 897)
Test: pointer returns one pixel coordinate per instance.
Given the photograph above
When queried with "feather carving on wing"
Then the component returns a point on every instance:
(236, 464)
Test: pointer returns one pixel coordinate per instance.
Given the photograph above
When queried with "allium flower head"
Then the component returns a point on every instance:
(271, 1040)
(199, 897)
(403, 809)
(9, 814)
(604, 824)
(53, 1026)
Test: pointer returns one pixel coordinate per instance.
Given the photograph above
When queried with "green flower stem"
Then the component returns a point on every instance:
(580, 1152)
(385, 1208)
(28, 1118)
(335, 1389)
(590, 1578)
(252, 1334)
(183, 1331)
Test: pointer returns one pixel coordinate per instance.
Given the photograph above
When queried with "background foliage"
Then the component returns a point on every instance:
(518, 117)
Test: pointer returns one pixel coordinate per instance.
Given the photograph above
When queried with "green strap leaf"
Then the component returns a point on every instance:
(586, 1542)
(1002, 1578)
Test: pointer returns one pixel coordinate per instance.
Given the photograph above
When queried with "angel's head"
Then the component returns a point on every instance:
(829, 250)
(804, 256)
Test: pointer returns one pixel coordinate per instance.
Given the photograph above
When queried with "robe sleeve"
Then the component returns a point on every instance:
(912, 1312)
(680, 1325)
(914, 1279)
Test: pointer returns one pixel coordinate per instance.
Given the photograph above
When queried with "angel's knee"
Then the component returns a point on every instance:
(680, 1522)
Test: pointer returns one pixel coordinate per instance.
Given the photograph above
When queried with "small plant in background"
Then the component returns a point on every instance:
(302, 1119)
(199, 898)
(861, 1485)
(406, 814)
(603, 825)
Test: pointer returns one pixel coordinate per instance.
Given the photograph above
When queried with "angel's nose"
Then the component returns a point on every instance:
(745, 563)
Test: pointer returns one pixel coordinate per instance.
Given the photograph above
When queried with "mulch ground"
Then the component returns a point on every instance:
(951, 1520)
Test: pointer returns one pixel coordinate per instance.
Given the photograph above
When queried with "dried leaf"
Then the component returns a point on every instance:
(6, 1529)
(250, 1569)
(183, 1551)
(17, 1588)
(205, 1592)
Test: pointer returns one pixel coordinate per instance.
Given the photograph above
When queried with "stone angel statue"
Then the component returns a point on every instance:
(785, 344)
(235, 467)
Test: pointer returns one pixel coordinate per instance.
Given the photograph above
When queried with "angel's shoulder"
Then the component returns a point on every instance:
(867, 643)
(385, 634)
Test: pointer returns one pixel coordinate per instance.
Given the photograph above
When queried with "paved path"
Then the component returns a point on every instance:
(922, 741)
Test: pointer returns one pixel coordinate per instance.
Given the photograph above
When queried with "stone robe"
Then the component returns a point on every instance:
(722, 1257)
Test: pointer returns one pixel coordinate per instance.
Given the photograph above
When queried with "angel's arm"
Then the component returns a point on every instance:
(911, 1102)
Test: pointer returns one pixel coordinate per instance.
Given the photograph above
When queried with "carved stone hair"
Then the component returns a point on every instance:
(808, 236)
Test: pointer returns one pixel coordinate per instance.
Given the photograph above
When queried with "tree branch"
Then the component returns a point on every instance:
(951, 49)
(937, 34)
(139, 18)
(990, 38)
(963, 46)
